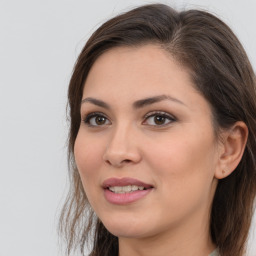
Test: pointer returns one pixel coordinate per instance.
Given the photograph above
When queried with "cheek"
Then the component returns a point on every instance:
(184, 174)
(88, 158)
(184, 164)
(182, 154)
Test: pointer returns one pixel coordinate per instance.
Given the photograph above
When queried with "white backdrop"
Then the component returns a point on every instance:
(39, 42)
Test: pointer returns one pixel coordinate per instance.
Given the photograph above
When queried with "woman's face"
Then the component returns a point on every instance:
(146, 150)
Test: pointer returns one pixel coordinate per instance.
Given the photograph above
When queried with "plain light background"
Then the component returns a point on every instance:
(39, 43)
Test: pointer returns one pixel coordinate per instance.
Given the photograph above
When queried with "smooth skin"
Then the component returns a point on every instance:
(168, 142)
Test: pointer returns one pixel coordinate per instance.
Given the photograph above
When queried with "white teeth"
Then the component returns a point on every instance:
(134, 187)
(125, 189)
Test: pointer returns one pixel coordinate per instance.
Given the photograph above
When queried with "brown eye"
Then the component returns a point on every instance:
(95, 119)
(159, 119)
(100, 120)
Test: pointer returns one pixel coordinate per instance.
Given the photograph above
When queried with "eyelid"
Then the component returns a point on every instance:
(90, 115)
(159, 112)
(172, 118)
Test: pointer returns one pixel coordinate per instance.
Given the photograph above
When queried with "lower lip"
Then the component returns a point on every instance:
(125, 198)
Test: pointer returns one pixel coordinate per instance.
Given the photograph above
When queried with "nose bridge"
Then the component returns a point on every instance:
(121, 138)
(121, 147)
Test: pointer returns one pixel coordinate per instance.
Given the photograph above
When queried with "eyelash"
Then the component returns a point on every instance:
(161, 114)
(154, 114)
(88, 118)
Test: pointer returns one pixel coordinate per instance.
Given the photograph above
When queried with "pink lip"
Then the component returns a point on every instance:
(112, 182)
(124, 198)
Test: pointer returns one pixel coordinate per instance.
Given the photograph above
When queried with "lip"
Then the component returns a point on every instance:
(112, 182)
(125, 198)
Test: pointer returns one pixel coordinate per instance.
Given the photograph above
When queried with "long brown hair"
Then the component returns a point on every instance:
(221, 72)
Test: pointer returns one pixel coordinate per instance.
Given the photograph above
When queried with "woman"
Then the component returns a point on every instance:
(162, 138)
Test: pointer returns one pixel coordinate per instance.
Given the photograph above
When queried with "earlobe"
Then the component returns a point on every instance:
(233, 145)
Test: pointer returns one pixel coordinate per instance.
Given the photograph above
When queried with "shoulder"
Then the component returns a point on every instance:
(215, 253)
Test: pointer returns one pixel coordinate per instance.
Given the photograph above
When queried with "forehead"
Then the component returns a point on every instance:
(146, 67)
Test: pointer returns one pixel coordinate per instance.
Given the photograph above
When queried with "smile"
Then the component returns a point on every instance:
(125, 190)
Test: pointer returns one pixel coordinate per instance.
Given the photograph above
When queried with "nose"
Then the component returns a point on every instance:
(122, 148)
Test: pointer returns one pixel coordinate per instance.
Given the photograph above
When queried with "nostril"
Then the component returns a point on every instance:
(126, 161)
(108, 162)
(123, 162)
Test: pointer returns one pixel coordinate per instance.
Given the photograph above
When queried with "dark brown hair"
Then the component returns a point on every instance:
(220, 71)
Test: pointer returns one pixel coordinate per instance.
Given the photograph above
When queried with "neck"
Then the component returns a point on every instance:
(190, 239)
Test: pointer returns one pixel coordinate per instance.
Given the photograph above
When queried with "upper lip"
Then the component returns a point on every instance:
(119, 182)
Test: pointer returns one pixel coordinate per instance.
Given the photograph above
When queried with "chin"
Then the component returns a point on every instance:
(125, 228)
(132, 233)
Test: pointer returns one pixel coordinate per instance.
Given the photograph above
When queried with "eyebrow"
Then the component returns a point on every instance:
(137, 104)
(155, 99)
(96, 102)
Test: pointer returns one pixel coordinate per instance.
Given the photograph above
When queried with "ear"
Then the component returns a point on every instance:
(232, 149)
